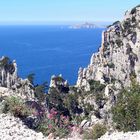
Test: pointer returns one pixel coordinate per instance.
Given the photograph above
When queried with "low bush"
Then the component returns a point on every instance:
(96, 86)
(126, 112)
(16, 106)
(96, 132)
(126, 25)
(111, 65)
(55, 123)
(40, 92)
(119, 43)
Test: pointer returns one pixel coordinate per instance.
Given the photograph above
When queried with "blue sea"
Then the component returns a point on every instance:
(49, 50)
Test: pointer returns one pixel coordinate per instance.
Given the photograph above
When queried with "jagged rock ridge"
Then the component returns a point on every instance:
(118, 58)
(115, 65)
(10, 83)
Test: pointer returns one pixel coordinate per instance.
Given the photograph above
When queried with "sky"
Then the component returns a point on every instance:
(63, 11)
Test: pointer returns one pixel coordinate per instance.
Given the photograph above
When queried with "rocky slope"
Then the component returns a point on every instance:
(12, 128)
(121, 136)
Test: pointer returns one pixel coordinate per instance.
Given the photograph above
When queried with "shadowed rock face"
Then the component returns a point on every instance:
(118, 58)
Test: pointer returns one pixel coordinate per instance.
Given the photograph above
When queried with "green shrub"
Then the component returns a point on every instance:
(57, 131)
(71, 102)
(133, 19)
(54, 123)
(133, 75)
(96, 86)
(96, 132)
(126, 112)
(99, 98)
(40, 91)
(16, 106)
(119, 43)
(30, 77)
(111, 65)
(54, 99)
(88, 108)
(126, 25)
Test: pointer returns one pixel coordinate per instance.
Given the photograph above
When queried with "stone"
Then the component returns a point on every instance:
(83, 123)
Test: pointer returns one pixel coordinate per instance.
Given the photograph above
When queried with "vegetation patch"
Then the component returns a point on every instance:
(96, 132)
(96, 86)
(17, 107)
(119, 43)
(126, 112)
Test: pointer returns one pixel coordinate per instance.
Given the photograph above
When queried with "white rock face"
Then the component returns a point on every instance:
(115, 64)
(11, 84)
(121, 136)
(12, 128)
(119, 55)
(57, 81)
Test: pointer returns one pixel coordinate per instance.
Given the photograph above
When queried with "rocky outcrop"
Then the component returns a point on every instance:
(8, 72)
(57, 81)
(115, 64)
(10, 83)
(118, 58)
(59, 84)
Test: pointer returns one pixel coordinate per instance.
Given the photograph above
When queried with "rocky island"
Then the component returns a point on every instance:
(86, 25)
(105, 101)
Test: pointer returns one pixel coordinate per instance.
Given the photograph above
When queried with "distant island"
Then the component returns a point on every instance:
(85, 25)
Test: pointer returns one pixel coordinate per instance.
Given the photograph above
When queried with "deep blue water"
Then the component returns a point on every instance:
(48, 50)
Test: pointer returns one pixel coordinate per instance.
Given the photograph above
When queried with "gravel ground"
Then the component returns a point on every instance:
(121, 136)
(12, 128)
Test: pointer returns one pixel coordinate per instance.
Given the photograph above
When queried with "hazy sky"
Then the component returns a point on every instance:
(62, 11)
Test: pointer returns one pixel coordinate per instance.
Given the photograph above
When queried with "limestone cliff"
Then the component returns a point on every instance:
(118, 58)
(10, 83)
(115, 64)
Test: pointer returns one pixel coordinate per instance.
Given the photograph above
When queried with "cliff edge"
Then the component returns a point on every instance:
(118, 58)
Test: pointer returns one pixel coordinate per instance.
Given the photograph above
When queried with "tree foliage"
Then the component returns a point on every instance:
(40, 91)
(31, 77)
(126, 112)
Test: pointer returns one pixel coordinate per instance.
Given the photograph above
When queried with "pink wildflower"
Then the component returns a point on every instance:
(50, 116)
(50, 126)
(35, 113)
(53, 111)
